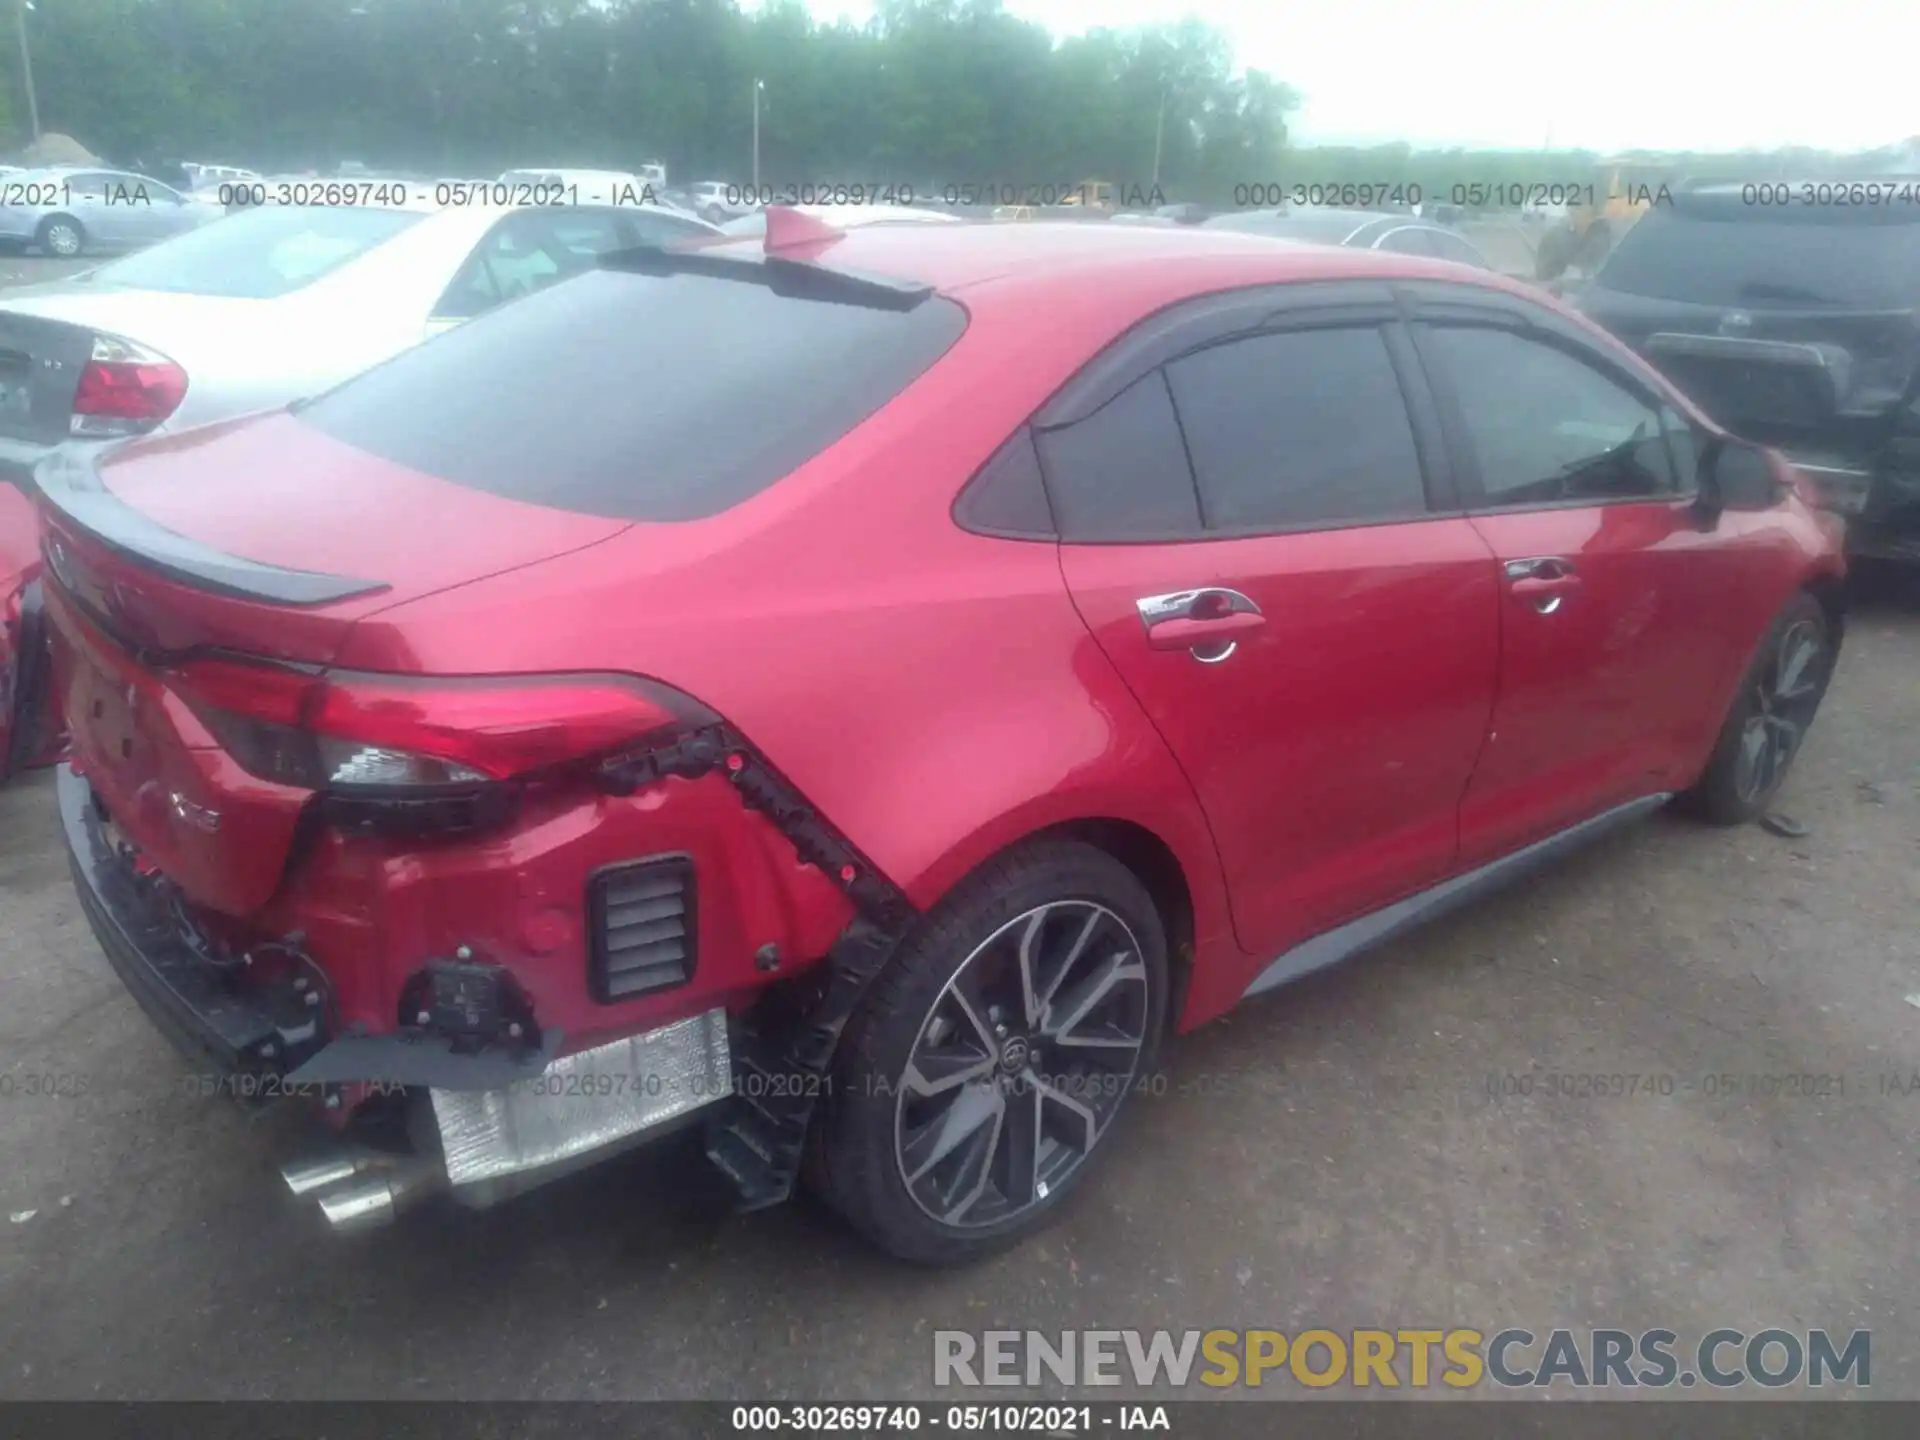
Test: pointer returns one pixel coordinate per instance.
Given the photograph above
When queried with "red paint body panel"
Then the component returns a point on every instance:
(19, 564)
(19, 568)
(938, 695)
(1330, 750)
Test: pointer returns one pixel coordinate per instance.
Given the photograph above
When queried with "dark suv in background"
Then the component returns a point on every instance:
(1791, 313)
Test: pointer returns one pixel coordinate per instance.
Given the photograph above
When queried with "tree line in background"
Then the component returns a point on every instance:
(949, 91)
(946, 92)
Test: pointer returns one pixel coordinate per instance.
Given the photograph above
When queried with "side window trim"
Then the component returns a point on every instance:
(1667, 409)
(1168, 334)
(1424, 415)
(1465, 458)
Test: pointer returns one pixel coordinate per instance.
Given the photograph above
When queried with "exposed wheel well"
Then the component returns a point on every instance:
(1832, 595)
(1157, 868)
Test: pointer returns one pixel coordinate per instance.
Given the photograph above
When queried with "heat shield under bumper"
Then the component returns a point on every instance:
(496, 1142)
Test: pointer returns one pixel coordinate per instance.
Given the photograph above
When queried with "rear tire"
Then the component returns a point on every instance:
(62, 236)
(968, 1102)
(1769, 718)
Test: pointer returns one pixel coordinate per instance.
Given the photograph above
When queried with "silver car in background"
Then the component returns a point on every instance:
(69, 210)
(273, 304)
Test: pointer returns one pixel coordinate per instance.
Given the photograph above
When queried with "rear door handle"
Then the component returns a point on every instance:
(1208, 622)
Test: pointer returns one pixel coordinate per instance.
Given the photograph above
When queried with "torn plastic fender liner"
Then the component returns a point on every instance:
(757, 1139)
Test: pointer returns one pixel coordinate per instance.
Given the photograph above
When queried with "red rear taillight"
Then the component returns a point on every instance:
(126, 389)
(348, 733)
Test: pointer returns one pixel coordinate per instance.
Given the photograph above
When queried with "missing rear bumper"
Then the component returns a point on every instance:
(484, 1146)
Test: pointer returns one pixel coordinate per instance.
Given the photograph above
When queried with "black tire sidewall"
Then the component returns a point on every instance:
(1716, 796)
(856, 1153)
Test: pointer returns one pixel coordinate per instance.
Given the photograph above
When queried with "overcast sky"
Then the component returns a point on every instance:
(1620, 75)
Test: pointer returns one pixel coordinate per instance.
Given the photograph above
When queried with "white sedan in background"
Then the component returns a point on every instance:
(272, 304)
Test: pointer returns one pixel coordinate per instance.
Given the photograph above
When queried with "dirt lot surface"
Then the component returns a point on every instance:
(1346, 1153)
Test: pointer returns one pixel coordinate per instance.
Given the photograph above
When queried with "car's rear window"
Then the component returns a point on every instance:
(1817, 257)
(258, 254)
(638, 397)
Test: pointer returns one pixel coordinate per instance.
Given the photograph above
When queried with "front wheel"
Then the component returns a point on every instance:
(62, 235)
(978, 1080)
(1768, 721)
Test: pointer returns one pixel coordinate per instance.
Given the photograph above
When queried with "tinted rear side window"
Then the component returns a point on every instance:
(1745, 257)
(1306, 427)
(1122, 473)
(638, 397)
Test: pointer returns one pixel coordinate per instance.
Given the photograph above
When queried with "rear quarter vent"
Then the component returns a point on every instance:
(643, 927)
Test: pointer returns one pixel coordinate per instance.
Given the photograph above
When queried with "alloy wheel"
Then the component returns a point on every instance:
(63, 240)
(1021, 1064)
(1784, 699)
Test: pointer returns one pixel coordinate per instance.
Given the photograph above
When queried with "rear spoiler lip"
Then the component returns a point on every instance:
(69, 484)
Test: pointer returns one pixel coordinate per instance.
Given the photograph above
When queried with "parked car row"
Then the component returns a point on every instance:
(67, 211)
(1080, 629)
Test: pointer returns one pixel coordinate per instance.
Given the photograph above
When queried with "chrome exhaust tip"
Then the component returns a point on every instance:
(359, 1191)
(304, 1177)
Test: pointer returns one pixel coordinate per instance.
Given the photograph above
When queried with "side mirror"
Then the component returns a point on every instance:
(1736, 476)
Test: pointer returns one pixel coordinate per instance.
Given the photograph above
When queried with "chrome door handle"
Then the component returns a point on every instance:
(1540, 567)
(1206, 622)
(1207, 603)
(1543, 580)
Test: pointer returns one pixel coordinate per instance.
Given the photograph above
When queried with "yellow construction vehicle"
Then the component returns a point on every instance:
(1621, 190)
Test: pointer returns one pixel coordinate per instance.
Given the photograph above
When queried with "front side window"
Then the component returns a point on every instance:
(1548, 428)
(1298, 428)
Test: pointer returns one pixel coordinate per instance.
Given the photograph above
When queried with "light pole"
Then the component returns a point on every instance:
(758, 86)
(26, 65)
(1159, 125)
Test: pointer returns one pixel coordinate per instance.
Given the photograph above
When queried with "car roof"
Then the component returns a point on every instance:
(1048, 257)
(567, 174)
(1328, 227)
(1830, 200)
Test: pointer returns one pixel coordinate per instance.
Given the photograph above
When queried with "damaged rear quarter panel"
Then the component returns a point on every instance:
(933, 693)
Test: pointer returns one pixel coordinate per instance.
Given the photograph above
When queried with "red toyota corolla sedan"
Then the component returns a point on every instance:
(861, 692)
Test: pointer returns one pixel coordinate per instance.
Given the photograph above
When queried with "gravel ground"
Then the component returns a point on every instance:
(1332, 1156)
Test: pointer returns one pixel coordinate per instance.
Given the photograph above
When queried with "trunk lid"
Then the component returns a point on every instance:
(260, 537)
(264, 536)
(47, 334)
(40, 365)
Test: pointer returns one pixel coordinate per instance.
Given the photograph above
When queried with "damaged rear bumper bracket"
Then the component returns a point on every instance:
(766, 790)
(781, 1060)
